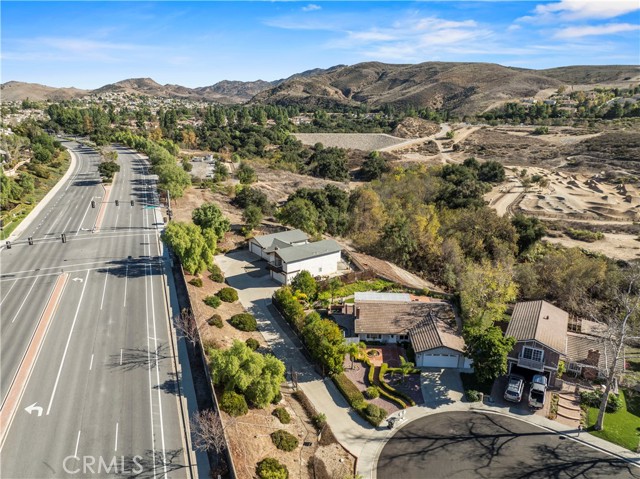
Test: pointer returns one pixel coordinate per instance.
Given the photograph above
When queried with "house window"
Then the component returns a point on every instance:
(574, 367)
(373, 336)
(532, 354)
(403, 337)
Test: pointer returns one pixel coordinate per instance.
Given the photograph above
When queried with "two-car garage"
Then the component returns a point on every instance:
(443, 358)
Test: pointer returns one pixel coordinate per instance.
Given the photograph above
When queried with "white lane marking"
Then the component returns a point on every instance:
(70, 265)
(75, 454)
(9, 292)
(120, 356)
(24, 300)
(146, 303)
(91, 363)
(126, 280)
(115, 448)
(104, 288)
(82, 220)
(66, 348)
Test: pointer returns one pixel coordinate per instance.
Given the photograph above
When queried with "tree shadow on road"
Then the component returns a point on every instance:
(142, 467)
(135, 358)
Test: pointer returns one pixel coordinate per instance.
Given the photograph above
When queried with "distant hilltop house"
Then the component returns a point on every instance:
(290, 252)
(543, 340)
(429, 325)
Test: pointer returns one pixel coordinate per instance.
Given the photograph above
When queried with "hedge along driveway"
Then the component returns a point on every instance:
(255, 293)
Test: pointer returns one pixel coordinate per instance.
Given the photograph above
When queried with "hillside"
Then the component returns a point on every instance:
(459, 87)
(18, 91)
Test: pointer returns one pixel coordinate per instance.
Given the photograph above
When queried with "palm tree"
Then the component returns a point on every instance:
(353, 349)
(406, 367)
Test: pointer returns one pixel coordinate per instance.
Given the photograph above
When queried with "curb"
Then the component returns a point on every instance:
(42, 204)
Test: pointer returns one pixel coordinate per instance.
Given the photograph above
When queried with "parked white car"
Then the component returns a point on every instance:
(514, 389)
(538, 391)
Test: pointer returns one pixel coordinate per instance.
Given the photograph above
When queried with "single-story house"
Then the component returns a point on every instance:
(319, 258)
(258, 244)
(543, 340)
(430, 326)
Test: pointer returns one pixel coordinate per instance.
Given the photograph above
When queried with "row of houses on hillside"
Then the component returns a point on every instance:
(431, 326)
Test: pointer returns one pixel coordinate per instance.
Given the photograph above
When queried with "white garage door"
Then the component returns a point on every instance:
(279, 277)
(438, 361)
(254, 248)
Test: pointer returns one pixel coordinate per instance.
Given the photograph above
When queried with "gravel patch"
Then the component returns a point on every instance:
(354, 141)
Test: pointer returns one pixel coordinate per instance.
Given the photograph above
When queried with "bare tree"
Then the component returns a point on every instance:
(208, 432)
(622, 320)
(187, 325)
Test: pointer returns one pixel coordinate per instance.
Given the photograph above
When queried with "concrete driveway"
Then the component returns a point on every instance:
(246, 273)
(441, 387)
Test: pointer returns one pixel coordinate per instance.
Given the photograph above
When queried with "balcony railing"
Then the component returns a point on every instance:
(530, 364)
(274, 268)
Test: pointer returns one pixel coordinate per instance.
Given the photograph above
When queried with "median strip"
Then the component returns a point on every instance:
(14, 396)
(103, 207)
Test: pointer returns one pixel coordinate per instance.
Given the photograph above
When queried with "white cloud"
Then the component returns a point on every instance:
(586, 31)
(311, 7)
(583, 10)
(513, 27)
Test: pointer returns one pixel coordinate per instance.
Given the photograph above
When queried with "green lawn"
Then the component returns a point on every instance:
(358, 286)
(621, 427)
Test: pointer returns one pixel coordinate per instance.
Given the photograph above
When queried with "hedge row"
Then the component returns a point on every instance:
(391, 390)
(373, 414)
(327, 438)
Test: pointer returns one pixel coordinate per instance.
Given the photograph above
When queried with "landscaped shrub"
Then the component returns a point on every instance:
(216, 274)
(283, 440)
(215, 320)
(472, 395)
(277, 398)
(372, 392)
(197, 282)
(282, 414)
(319, 420)
(228, 295)
(584, 235)
(349, 390)
(392, 391)
(289, 307)
(253, 343)
(233, 404)
(592, 399)
(244, 322)
(212, 301)
(270, 468)
(374, 414)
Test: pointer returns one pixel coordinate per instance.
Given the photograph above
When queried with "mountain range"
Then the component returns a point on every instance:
(463, 88)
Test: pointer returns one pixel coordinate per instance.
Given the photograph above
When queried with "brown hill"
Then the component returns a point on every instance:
(18, 91)
(593, 74)
(460, 87)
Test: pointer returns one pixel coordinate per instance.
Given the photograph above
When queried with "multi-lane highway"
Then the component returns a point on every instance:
(88, 381)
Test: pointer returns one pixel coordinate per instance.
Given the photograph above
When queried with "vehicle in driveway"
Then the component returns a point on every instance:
(538, 391)
(515, 386)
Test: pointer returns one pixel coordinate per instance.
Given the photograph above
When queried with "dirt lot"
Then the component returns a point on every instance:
(354, 141)
(249, 435)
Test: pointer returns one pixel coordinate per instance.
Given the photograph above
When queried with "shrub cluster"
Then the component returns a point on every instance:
(215, 320)
(284, 440)
(282, 414)
(584, 235)
(244, 322)
(197, 282)
(216, 274)
(228, 295)
(290, 308)
(212, 301)
(392, 391)
(252, 343)
(270, 468)
(372, 413)
(233, 404)
(372, 392)
(472, 395)
(593, 398)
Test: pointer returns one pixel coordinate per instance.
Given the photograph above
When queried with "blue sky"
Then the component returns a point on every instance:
(89, 44)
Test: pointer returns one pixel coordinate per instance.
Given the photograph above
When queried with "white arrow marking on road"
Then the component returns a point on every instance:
(33, 407)
(77, 279)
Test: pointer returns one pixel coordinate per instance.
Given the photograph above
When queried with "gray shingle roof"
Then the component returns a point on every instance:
(276, 245)
(540, 321)
(292, 236)
(310, 250)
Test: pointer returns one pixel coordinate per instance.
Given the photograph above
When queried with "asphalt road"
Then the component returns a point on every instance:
(460, 445)
(103, 386)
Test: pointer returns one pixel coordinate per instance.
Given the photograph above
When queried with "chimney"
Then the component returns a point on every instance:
(593, 357)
